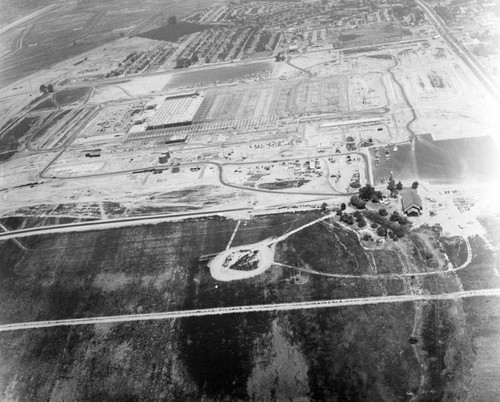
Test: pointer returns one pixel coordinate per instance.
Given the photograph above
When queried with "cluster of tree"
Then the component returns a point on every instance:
(368, 193)
(184, 62)
(393, 187)
(280, 57)
(357, 202)
(397, 217)
(360, 219)
(46, 88)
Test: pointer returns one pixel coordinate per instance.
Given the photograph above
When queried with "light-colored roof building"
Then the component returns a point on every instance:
(176, 110)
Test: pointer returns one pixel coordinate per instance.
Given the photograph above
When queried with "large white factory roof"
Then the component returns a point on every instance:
(176, 110)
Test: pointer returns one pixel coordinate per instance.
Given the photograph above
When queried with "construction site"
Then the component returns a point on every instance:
(206, 203)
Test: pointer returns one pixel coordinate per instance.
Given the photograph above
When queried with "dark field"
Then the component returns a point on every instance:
(172, 32)
(46, 104)
(219, 74)
(447, 161)
(10, 138)
(354, 353)
(69, 96)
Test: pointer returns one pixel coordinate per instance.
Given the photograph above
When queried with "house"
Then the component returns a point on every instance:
(411, 201)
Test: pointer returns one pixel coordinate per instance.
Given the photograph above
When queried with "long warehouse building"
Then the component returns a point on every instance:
(176, 111)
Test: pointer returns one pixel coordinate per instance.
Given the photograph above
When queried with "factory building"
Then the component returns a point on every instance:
(174, 111)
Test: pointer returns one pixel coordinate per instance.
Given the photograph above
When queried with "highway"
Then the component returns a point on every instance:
(460, 50)
(249, 309)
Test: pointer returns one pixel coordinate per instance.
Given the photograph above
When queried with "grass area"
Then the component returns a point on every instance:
(10, 138)
(68, 96)
(372, 359)
(173, 32)
(46, 104)
(448, 351)
(356, 353)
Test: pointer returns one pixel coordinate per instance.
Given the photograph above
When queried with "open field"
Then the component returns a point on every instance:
(156, 268)
(69, 96)
(12, 137)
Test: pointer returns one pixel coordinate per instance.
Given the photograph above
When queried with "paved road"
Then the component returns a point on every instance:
(248, 309)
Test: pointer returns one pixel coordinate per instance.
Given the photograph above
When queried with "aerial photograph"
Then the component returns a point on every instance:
(250, 200)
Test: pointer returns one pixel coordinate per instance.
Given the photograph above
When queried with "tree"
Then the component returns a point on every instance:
(172, 20)
(343, 206)
(399, 232)
(381, 231)
(394, 217)
(414, 185)
(324, 206)
(357, 202)
(43, 88)
(399, 186)
(362, 223)
(366, 192)
(403, 220)
(391, 185)
(50, 88)
(383, 212)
